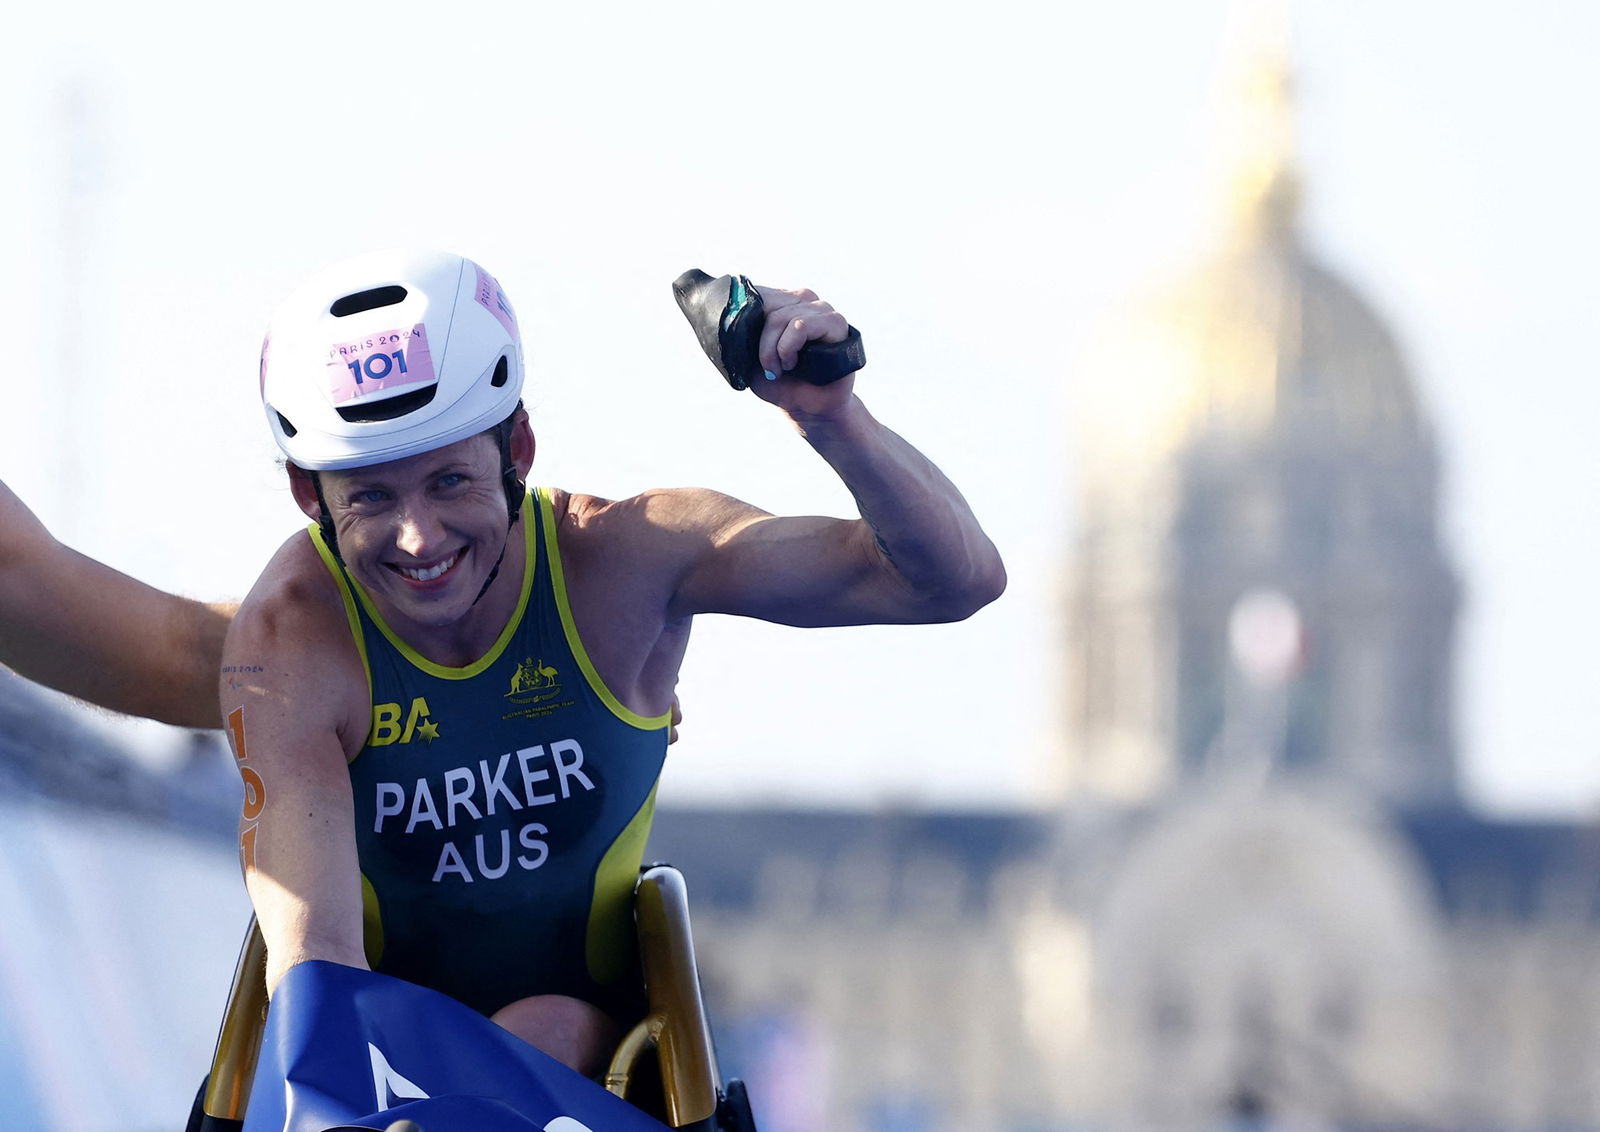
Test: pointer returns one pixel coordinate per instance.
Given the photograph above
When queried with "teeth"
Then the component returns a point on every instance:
(431, 573)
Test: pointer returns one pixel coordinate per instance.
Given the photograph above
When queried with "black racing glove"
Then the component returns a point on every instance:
(726, 313)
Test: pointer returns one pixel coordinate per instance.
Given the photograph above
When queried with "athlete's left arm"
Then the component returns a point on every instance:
(916, 554)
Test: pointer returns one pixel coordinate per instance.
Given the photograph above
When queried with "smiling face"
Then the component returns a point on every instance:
(422, 534)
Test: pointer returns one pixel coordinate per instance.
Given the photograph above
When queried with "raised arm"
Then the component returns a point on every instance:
(79, 626)
(916, 554)
(294, 695)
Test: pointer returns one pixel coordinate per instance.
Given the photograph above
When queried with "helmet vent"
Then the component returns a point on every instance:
(368, 300)
(283, 422)
(502, 372)
(389, 408)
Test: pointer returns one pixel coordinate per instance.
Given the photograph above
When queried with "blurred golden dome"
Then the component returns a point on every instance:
(1257, 341)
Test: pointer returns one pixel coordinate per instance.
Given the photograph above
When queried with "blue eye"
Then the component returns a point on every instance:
(370, 496)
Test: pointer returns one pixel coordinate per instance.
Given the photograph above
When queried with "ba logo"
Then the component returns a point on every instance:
(533, 682)
(386, 728)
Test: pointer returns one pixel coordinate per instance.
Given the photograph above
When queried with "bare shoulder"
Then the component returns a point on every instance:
(628, 559)
(290, 646)
(295, 592)
(660, 518)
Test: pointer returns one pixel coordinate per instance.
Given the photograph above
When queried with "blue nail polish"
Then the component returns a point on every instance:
(770, 375)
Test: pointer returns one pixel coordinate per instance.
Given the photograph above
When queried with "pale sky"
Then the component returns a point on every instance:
(975, 187)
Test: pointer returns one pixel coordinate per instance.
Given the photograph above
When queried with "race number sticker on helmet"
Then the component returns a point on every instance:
(495, 302)
(379, 364)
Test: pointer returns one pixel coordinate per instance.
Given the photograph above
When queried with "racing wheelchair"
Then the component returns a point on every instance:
(681, 1086)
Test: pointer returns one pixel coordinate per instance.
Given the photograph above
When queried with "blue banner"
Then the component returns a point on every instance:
(349, 1049)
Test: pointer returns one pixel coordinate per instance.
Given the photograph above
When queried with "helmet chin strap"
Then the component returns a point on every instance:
(515, 491)
(330, 537)
(494, 571)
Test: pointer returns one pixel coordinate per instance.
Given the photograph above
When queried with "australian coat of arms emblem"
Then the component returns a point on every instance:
(533, 682)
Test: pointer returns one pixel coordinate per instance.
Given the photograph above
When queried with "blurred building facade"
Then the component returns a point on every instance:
(1257, 901)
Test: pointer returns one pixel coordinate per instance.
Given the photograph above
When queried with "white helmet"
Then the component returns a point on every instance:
(388, 355)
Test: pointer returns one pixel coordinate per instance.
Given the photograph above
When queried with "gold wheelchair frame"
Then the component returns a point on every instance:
(676, 1027)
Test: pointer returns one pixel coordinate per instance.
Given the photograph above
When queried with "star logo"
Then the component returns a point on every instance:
(428, 729)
